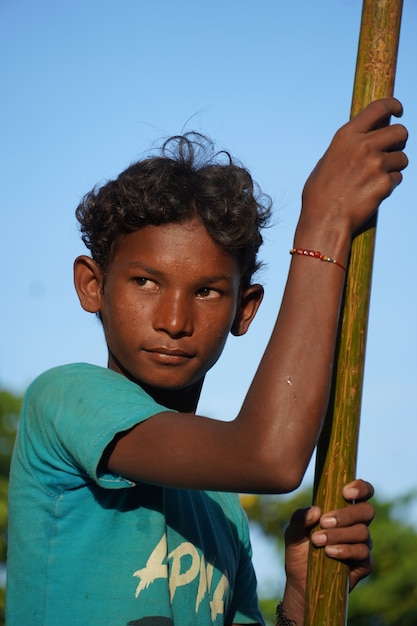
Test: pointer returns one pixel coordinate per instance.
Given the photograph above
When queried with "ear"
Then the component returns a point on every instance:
(88, 281)
(249, 303)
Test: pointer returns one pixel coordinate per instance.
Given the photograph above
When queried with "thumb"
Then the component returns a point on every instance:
(301, 522)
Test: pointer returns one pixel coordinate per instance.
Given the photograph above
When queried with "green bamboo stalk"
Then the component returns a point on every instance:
(327, 580)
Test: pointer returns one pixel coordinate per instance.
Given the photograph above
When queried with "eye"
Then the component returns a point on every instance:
(206, 293)
(146, 284)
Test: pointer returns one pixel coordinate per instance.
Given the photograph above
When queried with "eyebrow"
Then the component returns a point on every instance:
(207, 279)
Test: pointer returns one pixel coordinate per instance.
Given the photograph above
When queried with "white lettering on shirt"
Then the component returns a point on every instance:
(157, 567)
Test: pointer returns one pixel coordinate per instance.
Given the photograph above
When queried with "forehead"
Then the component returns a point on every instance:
(180, 247)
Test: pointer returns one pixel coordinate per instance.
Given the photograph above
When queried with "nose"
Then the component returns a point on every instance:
(174, 314)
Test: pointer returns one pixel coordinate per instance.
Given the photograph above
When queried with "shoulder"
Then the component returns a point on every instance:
(80, 379)
(98, 394)
(73, 372)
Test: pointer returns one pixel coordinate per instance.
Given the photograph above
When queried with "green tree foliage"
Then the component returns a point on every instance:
(388, 597)
(9, 417)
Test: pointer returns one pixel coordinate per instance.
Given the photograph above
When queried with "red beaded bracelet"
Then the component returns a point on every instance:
(316, 255)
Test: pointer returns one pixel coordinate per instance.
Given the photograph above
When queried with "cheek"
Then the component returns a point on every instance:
(216, 332)
(121, 317)
(124, 304)
(221, 334)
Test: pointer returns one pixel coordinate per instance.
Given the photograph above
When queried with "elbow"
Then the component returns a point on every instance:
(278, 473)
(285, 481)
(290, 482)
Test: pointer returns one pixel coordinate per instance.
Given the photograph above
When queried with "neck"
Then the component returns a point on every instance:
(182, 400)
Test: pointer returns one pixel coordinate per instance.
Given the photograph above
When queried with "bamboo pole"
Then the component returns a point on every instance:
(327, 580)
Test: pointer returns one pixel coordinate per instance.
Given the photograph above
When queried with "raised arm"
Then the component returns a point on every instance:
(269, 444)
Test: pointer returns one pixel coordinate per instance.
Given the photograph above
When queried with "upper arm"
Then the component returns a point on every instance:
(179, 450)
(185, 450)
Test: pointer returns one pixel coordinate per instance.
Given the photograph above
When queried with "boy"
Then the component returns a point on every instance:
(119, 506)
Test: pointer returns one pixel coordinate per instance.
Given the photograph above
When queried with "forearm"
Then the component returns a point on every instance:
(360, 168)
(292, 382)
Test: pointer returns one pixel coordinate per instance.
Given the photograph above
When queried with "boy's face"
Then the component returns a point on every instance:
(169, 300)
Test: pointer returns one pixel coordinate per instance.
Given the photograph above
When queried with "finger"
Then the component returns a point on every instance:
(360, 513)
(395, 180)
(395, 161)
(349, 553)
(376, 114)
(357, 534)
(305, 518)
(358, 490)
(389, 138)
(360, 571)
(387, 182)
(300, 523)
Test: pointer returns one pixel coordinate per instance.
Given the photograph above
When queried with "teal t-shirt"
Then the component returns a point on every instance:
(90, 548)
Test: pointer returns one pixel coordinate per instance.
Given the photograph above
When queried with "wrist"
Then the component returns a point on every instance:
(292, 606)
(316, 254)
(282, 618)
(324, 237)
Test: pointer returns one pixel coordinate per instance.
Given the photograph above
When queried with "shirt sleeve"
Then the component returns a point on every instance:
(70, 416)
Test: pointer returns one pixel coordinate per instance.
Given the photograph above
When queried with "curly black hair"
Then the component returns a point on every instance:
(188, 178)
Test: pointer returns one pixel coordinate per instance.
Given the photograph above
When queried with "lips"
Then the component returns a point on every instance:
(169, 356)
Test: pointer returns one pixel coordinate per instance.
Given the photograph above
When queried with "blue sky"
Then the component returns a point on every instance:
(89, 85)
